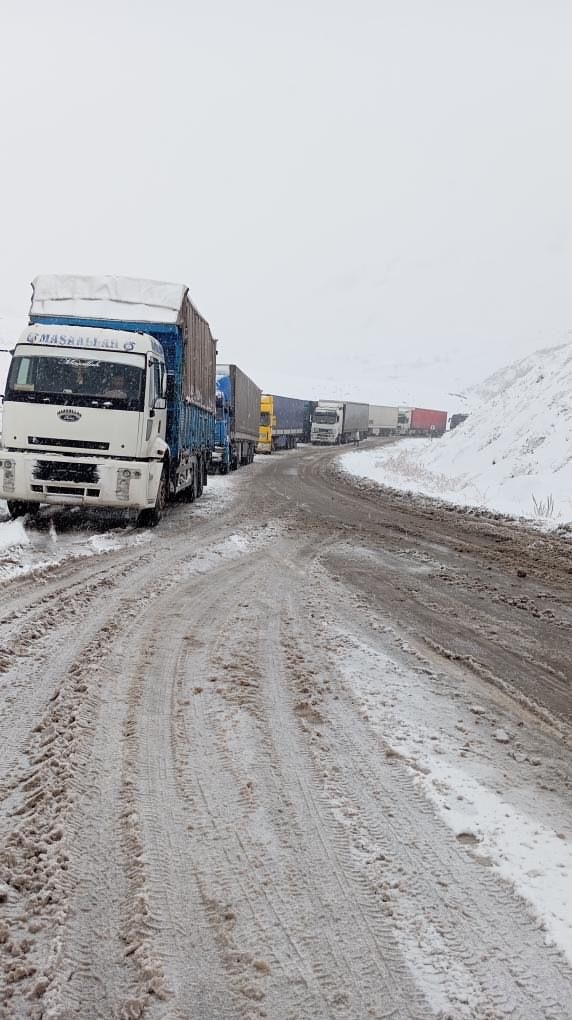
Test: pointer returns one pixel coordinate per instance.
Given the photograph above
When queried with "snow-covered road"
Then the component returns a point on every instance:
(247, 772)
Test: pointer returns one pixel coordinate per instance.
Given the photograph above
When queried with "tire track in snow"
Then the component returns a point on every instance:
(464, 914)
(286, 851)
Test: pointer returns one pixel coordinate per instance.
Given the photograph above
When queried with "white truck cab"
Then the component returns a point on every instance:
(327, 422)
(84, 419)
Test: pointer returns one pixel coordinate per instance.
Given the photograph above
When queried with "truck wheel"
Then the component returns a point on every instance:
(200, 478)
(150, 517)
(18, 508)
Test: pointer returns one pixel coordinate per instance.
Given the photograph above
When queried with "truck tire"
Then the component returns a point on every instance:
(189, 493)
(19, 508)
(150, 517)
(200, 477)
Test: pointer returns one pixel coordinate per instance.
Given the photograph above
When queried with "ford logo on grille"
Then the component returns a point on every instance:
(65, 415)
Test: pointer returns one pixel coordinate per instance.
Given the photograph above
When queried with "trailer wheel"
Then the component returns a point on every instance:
(189, 492)
(19, 508)
(150, 517)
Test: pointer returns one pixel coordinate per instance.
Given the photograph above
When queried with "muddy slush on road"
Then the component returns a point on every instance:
(303, 754)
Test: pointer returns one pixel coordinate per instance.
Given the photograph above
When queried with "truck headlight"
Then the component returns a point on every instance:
(9, 479)
(122, 484)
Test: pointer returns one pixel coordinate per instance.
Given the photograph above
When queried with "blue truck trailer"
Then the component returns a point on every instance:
(110, 397)
(237, 419)
(284, 422)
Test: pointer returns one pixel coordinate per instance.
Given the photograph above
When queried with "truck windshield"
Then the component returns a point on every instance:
(325, 417)
(80, 382)
(264, 418)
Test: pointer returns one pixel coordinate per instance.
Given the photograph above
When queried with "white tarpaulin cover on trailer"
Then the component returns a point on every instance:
(107, 297)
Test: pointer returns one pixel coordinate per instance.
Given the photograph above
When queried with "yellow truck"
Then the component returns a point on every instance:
(267, 422)
(284, 421)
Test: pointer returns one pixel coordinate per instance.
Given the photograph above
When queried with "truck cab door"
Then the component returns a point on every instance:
(155, 412)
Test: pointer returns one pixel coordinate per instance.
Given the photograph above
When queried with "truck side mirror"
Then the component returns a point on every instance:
(170, 387)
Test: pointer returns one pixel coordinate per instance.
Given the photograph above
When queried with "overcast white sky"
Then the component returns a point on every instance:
(372, 196)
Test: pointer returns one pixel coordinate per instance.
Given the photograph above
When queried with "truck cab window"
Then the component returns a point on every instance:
(155, 381)
(81, 382)
(23, 374)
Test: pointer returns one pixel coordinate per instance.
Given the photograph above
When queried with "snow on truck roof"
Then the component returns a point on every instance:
(114, 297)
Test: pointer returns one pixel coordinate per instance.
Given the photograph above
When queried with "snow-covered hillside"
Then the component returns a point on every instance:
(512, 455)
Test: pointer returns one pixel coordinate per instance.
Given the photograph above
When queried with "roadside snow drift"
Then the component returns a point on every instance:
(512, 455)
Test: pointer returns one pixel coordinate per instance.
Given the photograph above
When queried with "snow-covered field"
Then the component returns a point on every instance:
(513, 455)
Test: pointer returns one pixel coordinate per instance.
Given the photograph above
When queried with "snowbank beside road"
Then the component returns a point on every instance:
(513, 455)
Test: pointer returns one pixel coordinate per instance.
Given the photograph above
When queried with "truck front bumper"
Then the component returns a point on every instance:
(55, 478)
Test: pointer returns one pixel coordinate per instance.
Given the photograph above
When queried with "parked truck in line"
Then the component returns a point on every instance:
(382, 420)
(457, 419)
(283, 422)
(336, 422)
(403, 420)
(427, 422)
(237, 419)
(309, 408)
(110, 398)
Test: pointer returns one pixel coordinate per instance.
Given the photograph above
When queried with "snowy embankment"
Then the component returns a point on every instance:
(513, 455)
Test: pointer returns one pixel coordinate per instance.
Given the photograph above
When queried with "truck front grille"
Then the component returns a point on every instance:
(78, 444)
(64, 490)
(65, 471)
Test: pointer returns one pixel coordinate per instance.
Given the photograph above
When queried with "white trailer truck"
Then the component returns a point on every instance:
(382, 420)
(339, 421)
(110, 398)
